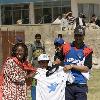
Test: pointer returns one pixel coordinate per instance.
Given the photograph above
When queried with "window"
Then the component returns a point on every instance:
(47, 11)
(89, 9)
(11, 13)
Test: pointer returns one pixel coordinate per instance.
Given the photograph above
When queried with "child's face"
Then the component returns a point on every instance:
(43, 64)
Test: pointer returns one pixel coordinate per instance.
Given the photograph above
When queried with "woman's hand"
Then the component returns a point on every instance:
(31, 75)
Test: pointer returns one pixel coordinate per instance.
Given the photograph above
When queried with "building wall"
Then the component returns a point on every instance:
(88, 1)
(74, 8)
(45, 11)
(88, 7)
(31, 13)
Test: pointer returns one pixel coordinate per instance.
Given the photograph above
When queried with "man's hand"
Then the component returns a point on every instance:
(67, 67)
(57, 61)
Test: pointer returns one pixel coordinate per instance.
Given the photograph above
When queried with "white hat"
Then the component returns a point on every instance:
(43, 57)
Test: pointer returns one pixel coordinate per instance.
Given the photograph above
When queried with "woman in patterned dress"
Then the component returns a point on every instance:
(16, 70)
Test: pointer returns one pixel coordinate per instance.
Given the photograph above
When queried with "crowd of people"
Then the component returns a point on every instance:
(68, 21)
(72, 64)
(65, 79)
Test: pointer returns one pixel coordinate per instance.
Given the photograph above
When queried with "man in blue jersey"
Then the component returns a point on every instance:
(78, 59)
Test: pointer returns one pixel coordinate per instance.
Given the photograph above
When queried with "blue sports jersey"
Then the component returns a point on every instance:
(76, 57)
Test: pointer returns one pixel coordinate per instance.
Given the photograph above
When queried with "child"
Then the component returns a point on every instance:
(51, 81)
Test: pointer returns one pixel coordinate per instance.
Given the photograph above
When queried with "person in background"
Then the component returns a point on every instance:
(78, 59)
(95, 20)
(71, 20)
(37, 49)
(64, 22)
(58, 43)
(16, 71)
(60, 36)
(19, 39)
(19, 22)
(80, 21)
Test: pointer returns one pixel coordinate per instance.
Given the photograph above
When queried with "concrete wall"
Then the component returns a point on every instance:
(49, 32)
(31, 13)
(74, 8)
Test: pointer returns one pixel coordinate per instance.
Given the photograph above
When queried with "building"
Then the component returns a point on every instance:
(88, 7)
(44, 11)
(32, 11)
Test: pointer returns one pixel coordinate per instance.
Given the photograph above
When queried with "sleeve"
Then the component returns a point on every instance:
(88, 61)
(33, 48)
(66, 48)
(12, 72)
(43, 47)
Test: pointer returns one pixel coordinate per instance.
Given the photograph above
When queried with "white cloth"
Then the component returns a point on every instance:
(52, 87)
(57, 21)
(85, 74)
(80, 21)
(64, 22)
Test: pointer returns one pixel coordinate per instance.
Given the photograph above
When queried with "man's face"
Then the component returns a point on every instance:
(79, 38)
(58, 48)
(38, 39)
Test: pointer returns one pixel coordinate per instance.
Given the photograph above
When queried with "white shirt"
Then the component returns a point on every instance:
(52, 87)
(80, 21)
(64, 22)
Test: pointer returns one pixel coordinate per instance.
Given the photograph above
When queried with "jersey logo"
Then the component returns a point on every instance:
(52, 87)
(75, 61)
(80, 55)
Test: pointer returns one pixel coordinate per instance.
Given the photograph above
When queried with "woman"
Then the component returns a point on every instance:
(16, 70)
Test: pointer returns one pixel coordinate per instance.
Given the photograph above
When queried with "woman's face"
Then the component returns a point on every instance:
(20, 53)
